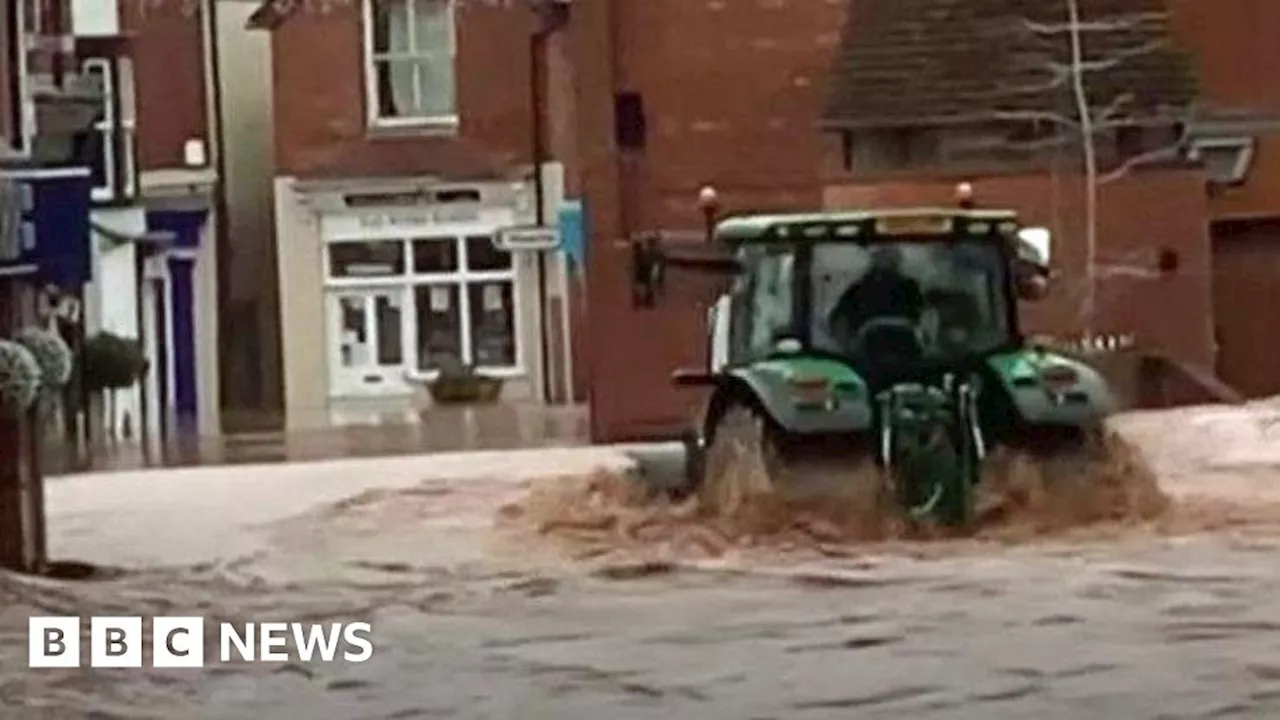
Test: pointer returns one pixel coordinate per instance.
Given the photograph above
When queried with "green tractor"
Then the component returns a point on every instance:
(887, 339)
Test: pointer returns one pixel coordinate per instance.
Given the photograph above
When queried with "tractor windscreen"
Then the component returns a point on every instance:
(929, 300)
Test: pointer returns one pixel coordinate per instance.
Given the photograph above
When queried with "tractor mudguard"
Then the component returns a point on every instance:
(802, 395)
(1077, 395)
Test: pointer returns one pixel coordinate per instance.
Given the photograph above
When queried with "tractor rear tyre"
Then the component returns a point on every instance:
(752, 478)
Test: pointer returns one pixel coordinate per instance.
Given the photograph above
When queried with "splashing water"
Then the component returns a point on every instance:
(1021, 498)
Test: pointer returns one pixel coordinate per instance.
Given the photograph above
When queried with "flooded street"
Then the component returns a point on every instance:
(476, 613)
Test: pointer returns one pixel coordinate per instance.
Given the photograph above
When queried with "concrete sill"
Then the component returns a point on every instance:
(395, 132)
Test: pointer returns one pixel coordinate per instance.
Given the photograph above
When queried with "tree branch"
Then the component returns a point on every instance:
(1105, 115)
(1115, 24)
(1036, 116)
(1172, 151)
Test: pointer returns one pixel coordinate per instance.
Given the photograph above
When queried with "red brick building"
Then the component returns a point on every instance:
(403, 145)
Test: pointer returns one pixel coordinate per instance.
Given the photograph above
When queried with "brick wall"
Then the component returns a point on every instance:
(1237, 55)
(320, 126)
(732, 94)
(1137, 216)
(168, 56)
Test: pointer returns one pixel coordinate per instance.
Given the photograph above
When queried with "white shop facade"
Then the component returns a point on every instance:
(408, 285)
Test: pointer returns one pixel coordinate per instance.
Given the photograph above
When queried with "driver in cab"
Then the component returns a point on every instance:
(885, 292)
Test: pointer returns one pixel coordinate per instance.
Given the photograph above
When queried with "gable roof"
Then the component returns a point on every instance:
(928, 62)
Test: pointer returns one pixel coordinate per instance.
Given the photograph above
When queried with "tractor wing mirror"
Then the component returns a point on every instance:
(1032, 273)
(1035, 244)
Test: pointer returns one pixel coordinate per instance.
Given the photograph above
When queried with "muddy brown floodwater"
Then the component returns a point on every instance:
(583, 599)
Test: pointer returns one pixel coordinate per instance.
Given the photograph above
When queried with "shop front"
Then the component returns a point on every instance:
(407, 295)
(404, 292)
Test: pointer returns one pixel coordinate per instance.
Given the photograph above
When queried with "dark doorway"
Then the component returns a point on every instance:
(1246, 283)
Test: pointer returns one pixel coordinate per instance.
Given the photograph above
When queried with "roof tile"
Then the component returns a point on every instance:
(918, 62)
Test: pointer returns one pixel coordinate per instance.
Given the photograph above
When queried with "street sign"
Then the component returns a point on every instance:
(524, 238)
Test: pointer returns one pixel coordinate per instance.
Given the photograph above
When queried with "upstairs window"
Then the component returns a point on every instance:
(411, 53)
(108, 146)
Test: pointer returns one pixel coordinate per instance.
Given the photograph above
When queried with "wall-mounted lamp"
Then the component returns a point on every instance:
(709, 205)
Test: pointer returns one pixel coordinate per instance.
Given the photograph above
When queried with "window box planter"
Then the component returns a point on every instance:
(474, 388)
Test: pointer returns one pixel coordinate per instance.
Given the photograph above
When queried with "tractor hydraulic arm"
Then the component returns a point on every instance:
(650, 260)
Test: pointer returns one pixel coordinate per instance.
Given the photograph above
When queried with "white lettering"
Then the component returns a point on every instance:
(273, 635)
(352, 634)
(244, 644)
(307, 642)
(421, 219)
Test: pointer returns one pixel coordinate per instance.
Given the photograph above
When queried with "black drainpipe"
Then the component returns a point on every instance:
(222, 240)
(550, 16)
(537, 43)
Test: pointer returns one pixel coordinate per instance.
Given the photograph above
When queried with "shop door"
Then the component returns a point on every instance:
(366, 343)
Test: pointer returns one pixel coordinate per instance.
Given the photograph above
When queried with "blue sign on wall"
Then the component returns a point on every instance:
(573, 234)
(52, 224)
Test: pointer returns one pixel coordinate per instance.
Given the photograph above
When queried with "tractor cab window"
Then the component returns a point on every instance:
(907, 300)
(763, 302)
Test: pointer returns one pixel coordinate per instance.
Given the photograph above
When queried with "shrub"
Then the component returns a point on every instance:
(51, 353)
(20, 379)
(111, 362)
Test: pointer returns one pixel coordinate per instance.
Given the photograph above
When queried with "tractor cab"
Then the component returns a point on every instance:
(885, 291)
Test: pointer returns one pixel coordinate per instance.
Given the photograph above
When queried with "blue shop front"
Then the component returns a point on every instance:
(44, 235)
(48, 227)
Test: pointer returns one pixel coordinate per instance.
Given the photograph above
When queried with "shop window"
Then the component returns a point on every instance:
(366, 259)
(493, 337)
(439, 323)
(482, 255)
(435, 255)
(462, 300)
(464, 315)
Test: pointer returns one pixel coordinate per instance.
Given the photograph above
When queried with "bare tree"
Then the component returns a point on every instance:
(1078, 61)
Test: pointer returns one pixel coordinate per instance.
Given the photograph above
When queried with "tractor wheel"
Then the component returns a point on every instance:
(739, 464)
(749, 478)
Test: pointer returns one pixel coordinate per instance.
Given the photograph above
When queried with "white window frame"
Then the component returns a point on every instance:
(128, 125)
(462, 278)
(26, 130)
(120, 117)
(1243, 146)
(104, 127)
(447, 122)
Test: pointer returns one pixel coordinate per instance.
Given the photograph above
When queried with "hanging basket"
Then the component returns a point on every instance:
(20, 379)
(52, 354)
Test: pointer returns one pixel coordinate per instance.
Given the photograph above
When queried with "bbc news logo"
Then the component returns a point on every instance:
(179, 642)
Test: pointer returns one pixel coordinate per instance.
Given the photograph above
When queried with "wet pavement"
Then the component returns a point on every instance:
(476, 614)
(437, 429)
